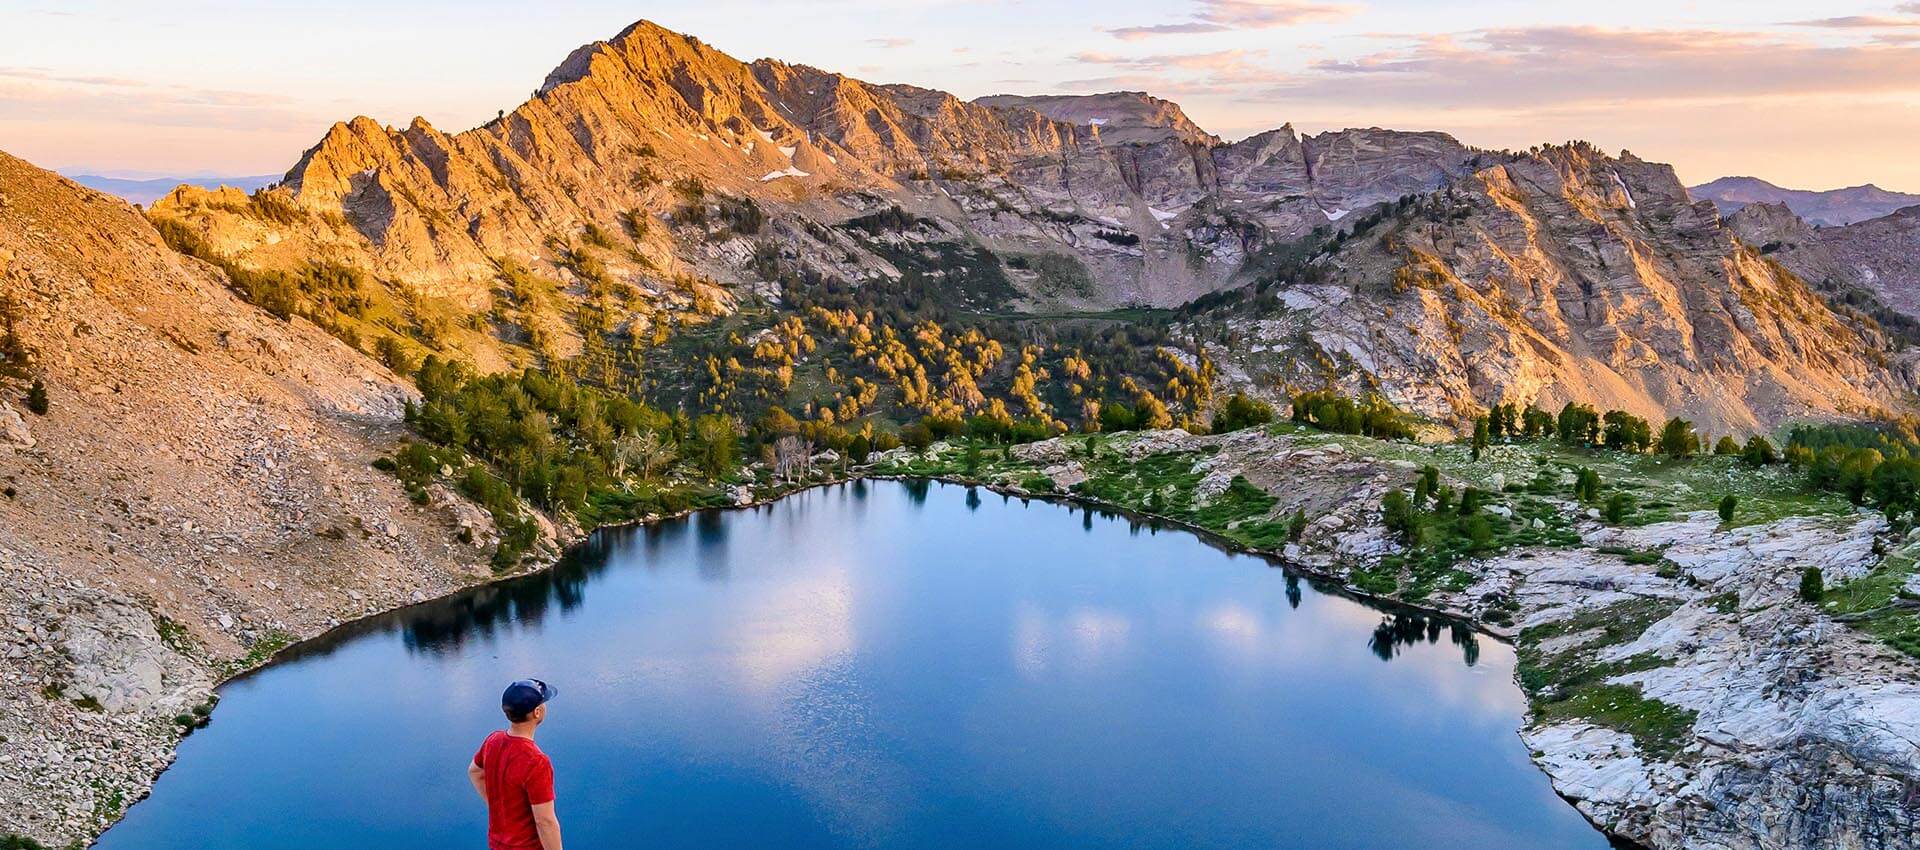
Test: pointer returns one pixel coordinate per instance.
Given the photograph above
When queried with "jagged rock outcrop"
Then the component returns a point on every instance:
(1554, 275)
(1567, 275)
(1881, 255)
(198, 488)
(618, 122)
(1119, 118)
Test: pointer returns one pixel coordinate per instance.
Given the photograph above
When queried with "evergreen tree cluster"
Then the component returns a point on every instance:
(1372, 416)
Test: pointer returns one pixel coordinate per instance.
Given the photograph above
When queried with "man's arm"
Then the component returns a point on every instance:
(479, 779)
(547, 824)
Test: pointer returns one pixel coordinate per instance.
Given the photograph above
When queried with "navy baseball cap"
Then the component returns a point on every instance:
(526, 695)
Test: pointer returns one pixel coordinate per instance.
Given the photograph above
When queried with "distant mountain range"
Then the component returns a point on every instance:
(657, 169)
(1831, 208)
(149, 190)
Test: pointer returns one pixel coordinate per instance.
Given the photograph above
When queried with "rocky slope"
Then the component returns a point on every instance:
(1831, 208)
(619, 126)
(1683, 695)
(197, 494)
(675, 171)
(1880, 256)
(1557, 275)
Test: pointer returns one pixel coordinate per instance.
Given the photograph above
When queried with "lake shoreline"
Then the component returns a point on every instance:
(1563, 750)
(1116, 542)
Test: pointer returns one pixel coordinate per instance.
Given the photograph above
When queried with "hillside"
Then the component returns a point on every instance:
(197, 494)
(1557, 275)
(1830, 208)
(1880, 257)
(655, 185)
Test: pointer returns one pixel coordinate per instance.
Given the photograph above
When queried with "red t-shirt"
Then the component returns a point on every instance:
(519, 777)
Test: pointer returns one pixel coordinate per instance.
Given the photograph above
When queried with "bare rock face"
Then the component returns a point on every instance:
(1118, 118)
(1880, 255)
(1123, 183)
(1450, 277)
(1567, 275)
(116, 658)
(200, 485)
(14, 433)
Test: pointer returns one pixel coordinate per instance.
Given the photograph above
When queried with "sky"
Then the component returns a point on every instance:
(1808, 95)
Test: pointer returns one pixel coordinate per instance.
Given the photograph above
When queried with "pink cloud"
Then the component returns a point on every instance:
(1561, 65)
(1227, 15)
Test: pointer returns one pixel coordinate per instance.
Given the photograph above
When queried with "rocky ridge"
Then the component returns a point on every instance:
(197, 494)
(1565, 275)
(1831, 208)
(1880, 256)
(1554, 274)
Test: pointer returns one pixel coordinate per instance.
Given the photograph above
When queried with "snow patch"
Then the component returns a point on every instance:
(1096, 121)
(789, 171)
(787, 150)
(1161, 215)
(1631, 203)
(1336, 214)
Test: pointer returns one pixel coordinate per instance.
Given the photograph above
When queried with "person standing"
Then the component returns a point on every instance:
(514, 777)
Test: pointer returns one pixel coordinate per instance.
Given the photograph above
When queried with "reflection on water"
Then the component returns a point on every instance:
(887, 665)
(1403, 629)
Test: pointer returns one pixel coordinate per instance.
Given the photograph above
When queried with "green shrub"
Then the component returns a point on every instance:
(1241, 411)
(1813, 586)
(1728, 504)
(1616, 509)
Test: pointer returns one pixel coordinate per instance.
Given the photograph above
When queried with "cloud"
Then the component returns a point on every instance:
(45, 94)
(1176, 73)
(1228, 15)
(1562, 65)
(889, 42)
(1137, 33)
(1870, 22)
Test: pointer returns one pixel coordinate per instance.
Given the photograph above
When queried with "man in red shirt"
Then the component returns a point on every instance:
(514, 777)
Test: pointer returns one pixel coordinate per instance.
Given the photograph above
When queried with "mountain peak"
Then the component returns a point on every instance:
(1832, 207)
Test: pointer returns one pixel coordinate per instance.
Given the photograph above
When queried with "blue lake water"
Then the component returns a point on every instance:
(885, 665)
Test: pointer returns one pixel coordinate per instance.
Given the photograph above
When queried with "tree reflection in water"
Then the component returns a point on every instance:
(1403, 629)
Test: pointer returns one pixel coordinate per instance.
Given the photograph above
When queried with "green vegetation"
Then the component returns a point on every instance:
(1371, 416)
(258, 652)
(1813, 585)
(1572, 683)
(1439, 536)
(561, 447)
(1657, 728)
(1877, 603)
(1866, 463)
(1241, 411)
